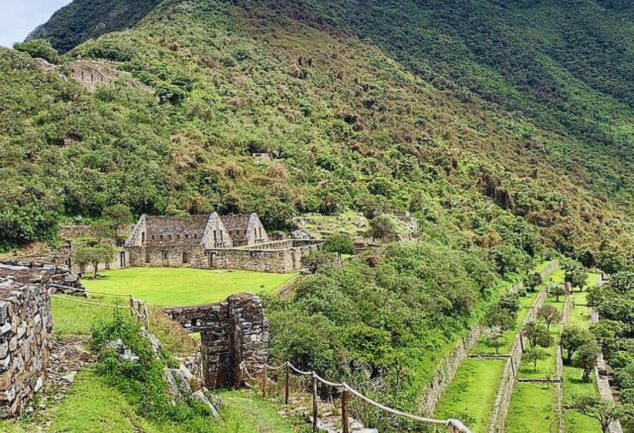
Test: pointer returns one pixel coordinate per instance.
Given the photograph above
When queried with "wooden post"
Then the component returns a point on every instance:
(264, 371)
(315, 409)
(131, 303)
(345, 424)
(287, 387)
(147, 316)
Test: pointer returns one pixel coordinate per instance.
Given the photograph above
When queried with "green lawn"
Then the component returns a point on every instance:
(185, 286)
(472, 393)
(94, 406)
(532, 409)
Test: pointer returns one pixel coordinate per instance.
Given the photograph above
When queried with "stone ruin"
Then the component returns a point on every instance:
(232, 332)
(25, 328)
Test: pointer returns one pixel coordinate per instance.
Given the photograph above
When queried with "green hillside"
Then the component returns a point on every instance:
(479, 121)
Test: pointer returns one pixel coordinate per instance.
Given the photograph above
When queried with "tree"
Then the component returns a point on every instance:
(511, 304)
(622, 282)
(118, 216)
(94, 255)
(499, 318)
(606, 412)
(576, 276)
(39, 48)
(534, 280)
(549, 314)
(382, 227)
(556, 290)
(534, 354)
(587, 358)
(495, 338)
(537, 334)
(341, 244)
(572, 338)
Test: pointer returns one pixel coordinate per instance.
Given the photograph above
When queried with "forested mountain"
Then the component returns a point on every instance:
(505, 124)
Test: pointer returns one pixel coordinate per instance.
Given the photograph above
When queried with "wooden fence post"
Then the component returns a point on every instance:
(345, 427)
(315, 409)
(287, 389)
(264, 371)
(131, 303)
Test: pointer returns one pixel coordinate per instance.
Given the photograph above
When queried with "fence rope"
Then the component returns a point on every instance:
(456, 424)
(90, 292)
(98, 304)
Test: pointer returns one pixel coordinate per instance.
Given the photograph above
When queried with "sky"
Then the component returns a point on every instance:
(19, 17)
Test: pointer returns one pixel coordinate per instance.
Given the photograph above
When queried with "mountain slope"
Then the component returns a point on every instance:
(450, 112)
(82, 20)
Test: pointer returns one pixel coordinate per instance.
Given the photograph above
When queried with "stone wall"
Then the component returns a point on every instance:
(509, 374)
(446, 371)
(280, 257)
(25, 336)
(232, 332)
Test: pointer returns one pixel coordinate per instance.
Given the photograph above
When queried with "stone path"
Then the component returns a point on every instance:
(66, 358)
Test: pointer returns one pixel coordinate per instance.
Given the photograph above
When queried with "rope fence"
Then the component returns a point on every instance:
(453, 425)
(79, 301)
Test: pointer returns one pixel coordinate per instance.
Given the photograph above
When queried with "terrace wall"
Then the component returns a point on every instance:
(25, 336)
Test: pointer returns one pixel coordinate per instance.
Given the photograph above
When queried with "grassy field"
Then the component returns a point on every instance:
(184, 286)
(532, 409)
(472, 393)
(94, 406)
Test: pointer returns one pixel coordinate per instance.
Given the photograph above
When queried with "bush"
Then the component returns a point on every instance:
(39, 48)
(341, 244)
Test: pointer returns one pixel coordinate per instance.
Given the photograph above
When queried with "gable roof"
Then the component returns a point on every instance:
(175, 230)
(237, 225)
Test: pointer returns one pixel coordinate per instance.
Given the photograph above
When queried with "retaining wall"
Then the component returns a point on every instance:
(25, 337)
(509, 374)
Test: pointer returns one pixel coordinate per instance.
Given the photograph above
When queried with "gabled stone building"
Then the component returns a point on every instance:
(212, 242)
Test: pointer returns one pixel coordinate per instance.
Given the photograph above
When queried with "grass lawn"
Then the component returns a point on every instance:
(472, 393)
(532, 409)
(184, 286)
(580, 314)
(94, 406)
(72, 318)
(575, 388)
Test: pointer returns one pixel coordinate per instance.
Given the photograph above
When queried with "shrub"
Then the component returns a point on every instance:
(341, 244)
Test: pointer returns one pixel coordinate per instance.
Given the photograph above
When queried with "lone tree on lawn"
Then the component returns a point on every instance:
(572, 338)
(534, 354)
(537, 335)
(577, 277)
(606, 412)
(93, 255)
(534, 280)
(556, 290)
(549, 314)
(587, 358)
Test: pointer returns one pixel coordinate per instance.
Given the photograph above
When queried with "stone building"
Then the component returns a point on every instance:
(232, 332)
(212, 242)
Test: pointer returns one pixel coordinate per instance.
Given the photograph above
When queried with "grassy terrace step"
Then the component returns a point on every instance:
(472, 393)
(532, 409)
(471, 396)
(574, 387)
